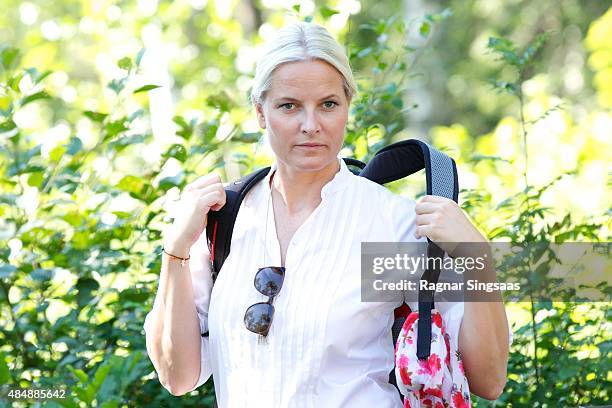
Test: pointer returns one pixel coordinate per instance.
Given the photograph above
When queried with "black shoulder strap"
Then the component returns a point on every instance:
(401, 159)
(220, 224)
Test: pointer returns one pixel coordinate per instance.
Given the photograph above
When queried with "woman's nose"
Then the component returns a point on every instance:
(310, 124)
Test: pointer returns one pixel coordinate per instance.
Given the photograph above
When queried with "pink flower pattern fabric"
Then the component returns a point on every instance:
(437, 382)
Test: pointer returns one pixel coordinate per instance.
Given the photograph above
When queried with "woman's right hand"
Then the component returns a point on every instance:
(191, 213)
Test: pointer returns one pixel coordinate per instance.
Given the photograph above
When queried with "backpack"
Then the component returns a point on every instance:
(391, 163)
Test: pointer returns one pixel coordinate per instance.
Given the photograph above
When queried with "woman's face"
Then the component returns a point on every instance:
(305, 113)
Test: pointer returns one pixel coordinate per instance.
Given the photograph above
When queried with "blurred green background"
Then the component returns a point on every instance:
(107, 109)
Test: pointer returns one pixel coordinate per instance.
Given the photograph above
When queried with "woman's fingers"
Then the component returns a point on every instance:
(424, 231)
(213, 200)
(203, 181)
(425, 207)
(190, 213)
(426, 219)
(433, 199)
(199, 201)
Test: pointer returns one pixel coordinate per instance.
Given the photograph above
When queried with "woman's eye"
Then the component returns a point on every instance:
(329, 104)
(287, 106)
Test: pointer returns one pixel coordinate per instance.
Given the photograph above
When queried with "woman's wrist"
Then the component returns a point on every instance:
(175, 254)
(176, 249)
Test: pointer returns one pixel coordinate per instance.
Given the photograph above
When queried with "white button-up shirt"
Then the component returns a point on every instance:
(325, 348)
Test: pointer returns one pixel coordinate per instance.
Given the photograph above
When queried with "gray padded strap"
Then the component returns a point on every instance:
(442, 177)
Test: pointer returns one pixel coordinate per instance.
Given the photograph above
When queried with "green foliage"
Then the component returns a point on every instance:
(556, 341)
(82, 218)
(80, 332)
(379, 108)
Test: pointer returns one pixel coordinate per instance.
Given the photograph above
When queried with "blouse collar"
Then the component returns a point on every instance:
(339, 182)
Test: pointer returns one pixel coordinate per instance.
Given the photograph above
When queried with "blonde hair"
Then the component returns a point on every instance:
(301, 42)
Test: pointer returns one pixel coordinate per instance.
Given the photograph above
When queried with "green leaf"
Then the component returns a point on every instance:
(397, 102)
(117, 85)
(7, 126)
(13, 82)
(5, 374)
(220, 101)
(122, 214)
(34, 97)
(177, 151)
(123, 142)
(7, 270)
(35, 151)
(57, 153)
(6, 105)
(100, 375)
(505, 48)
(168, 182)
(533, 48)
(146, 88)
(248, 137)
(139, 56)
(136, 114)
(74, 146)
(36, 179)
(502, 86)
(125, 63)
(37, 76)
(131, 184)
(85, 287)
(41, 274)
(210, 131)
(69, 359)
(9, 57)
(186, 129)
(133, 295)
(79, 374)
(425, 29)
(327, 12)
(115, 127)
(96, 116)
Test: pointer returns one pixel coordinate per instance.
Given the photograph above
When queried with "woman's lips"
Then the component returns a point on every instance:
(310, 145)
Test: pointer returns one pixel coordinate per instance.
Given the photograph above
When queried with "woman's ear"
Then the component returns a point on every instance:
(260, 115)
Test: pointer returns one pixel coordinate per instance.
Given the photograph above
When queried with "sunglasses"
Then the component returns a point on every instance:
(268, 282)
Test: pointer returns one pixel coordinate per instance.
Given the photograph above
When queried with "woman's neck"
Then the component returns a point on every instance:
(301, 190)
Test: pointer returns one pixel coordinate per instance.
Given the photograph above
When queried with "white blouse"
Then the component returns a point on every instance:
(325, 348)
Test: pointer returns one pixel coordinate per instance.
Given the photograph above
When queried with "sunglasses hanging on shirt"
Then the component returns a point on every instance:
(268, 281)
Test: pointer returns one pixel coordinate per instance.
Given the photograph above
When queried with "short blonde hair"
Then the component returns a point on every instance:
(301, 42)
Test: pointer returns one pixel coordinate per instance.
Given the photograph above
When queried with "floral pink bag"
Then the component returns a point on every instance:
(438, 381)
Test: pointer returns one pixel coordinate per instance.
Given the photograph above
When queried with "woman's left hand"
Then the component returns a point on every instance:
(443, 221)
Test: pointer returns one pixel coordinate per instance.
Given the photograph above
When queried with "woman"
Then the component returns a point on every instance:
(309, 215)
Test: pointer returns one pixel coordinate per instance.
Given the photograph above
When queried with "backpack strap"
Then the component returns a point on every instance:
(220, 225)
(354, 163)
(400, 160)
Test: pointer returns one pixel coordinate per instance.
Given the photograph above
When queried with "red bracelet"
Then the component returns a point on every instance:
(177, 257)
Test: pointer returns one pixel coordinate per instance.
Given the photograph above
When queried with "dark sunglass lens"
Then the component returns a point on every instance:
(258, 318)
(269, 280)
